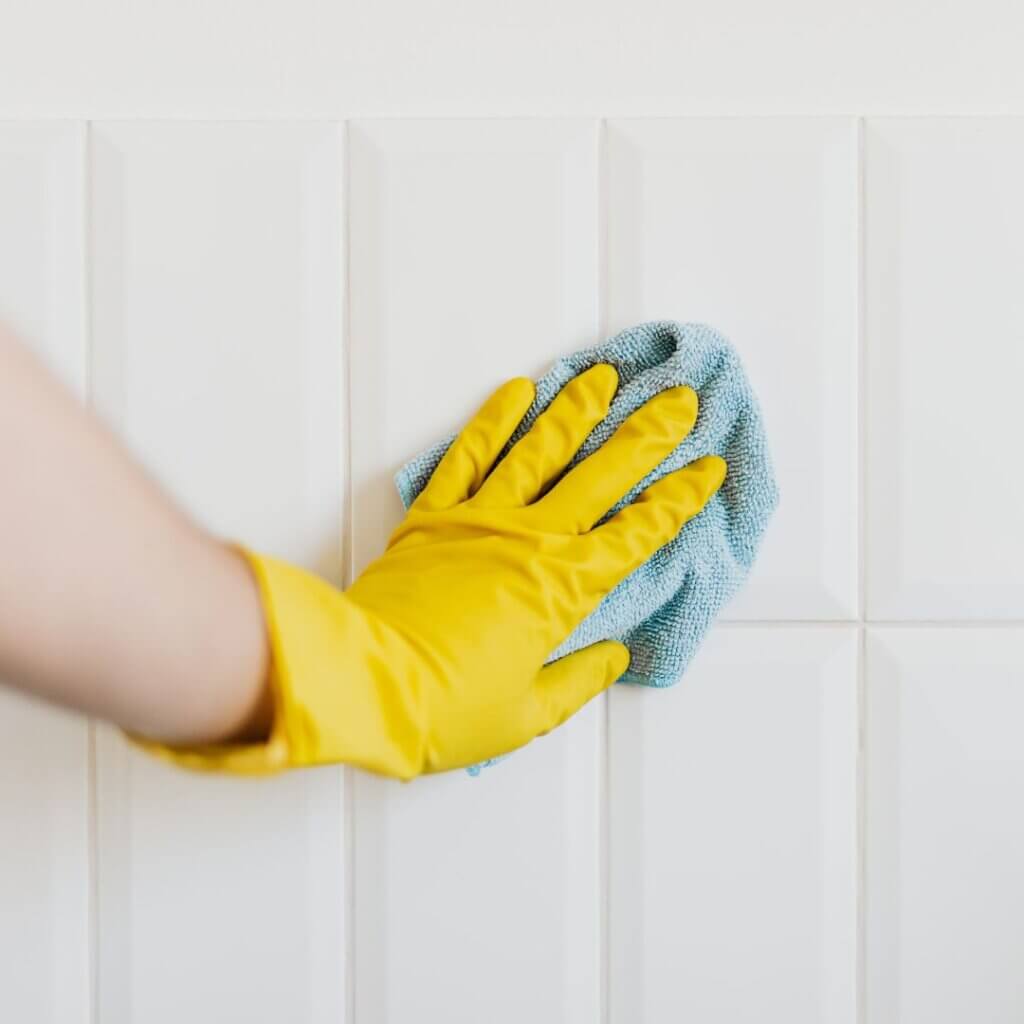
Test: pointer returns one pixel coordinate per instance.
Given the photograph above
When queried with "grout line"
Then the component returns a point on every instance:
(870, 624)
(604, 733)
(862, 378)
(85, 262)
(603, 253)
(347, 559)
(861, 810)
(860, 1008)
(92, 1012)
(569, 114)
(786, 623)
(348, 500)
(945, 624)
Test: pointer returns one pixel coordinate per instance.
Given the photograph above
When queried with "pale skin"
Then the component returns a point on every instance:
(112, 600)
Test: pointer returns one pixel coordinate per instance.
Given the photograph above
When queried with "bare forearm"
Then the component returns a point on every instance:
(111, 600)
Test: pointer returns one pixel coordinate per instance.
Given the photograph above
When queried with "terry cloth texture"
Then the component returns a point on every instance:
(664, 608)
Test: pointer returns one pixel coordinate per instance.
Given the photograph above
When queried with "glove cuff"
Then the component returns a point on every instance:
(333, 700)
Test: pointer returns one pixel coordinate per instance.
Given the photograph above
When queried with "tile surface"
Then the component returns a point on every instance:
(945, 837)
(733, 807)
(751, 226)
(217, 357)
(817, 825)
(44, 800)
(474, 258)
(945, 320)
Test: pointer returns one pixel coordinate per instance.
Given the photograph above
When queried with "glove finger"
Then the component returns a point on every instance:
(466, 463)
(634, 533)
(552, 441)
(564, 686)
(558, 691)
(647, 437)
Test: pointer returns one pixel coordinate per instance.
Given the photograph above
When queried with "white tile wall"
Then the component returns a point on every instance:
(751, 226)
(798, 832)
(945, 830)
(945, 323)
(733, 811)
(217, 286)
(474, 249)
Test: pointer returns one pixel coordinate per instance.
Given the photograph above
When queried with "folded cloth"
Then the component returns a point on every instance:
(663, 609)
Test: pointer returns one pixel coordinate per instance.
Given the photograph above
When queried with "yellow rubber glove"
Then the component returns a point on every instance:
(434, 658)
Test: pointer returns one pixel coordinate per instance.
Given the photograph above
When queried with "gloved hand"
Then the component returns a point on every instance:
(434, 658)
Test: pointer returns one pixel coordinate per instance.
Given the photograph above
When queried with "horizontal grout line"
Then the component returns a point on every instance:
(871, 623)
(785, 623)
(945, 623)
(581, 115)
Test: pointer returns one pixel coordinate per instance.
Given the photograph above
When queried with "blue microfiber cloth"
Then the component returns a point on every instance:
(662, 610)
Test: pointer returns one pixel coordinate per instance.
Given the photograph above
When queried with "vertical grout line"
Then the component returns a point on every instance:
(862, 468)
(862, 384)
(347, 559)
(861, 918)
(92, 1012)
(604, 733)
(602, 227)
(85, 258)
(92, 783)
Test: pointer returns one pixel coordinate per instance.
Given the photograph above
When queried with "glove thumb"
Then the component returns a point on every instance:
(564, 686)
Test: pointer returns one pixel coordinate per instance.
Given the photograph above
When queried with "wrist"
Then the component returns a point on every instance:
(212, 686)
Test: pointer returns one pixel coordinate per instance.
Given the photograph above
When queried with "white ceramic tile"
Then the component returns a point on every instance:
(733, 810)
(945, 322)
(751, 226)
(945, 905)
(217, 355)
(44, 754)
(473, 258)
(42, 262)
